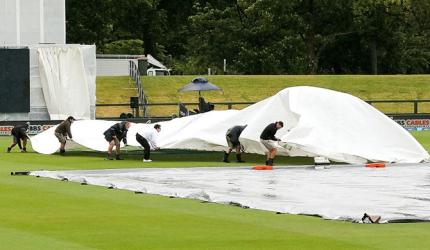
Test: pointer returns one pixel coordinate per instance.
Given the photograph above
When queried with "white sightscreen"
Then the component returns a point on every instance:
(32, 22)
(8, 33)
(64, 83)
(67, 81)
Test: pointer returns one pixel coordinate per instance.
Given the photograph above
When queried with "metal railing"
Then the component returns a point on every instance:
(135, 75)
(229, 105)
(415, 102)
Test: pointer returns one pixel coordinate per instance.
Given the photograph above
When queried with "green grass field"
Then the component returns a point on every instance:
(256, 88)
(39, 213)
(114, 90)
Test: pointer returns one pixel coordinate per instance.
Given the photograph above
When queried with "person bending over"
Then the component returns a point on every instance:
(62, 131)
(148, 140)
(114, 135)
(232, 137)
(19, 133)
(268, 139)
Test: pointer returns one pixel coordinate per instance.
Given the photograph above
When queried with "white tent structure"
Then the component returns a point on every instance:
(318, 122)
(62, 77)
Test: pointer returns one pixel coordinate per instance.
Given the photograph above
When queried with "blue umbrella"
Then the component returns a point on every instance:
(199, 84)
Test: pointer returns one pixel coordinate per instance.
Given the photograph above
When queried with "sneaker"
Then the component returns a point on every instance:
(119, 158)
(109, 157)
(62, 151)
(8, 150)
(149, 160)
(23, 150)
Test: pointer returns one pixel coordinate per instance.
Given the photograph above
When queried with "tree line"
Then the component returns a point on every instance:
(261, 36)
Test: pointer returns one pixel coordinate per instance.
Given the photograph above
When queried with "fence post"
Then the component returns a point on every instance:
(415, 107)
(137, 110)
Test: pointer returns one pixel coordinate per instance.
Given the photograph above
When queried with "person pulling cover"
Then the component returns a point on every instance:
(148, 140)
(62, 131)
(19, 133)
(232, 137)
(114, 135)
(268, 139)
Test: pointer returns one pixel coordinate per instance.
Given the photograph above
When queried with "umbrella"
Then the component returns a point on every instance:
(199, 84)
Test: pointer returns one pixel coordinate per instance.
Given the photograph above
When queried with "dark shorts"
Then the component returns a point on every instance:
(109, 138)
(230, 143)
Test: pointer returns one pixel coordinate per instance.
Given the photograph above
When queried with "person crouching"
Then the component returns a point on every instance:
(268, 139)
(114, 135)
(232, 137)
(149, 140)
(19, 133)
(62, 131)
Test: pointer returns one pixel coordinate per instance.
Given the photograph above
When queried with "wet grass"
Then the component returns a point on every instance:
(39, 213)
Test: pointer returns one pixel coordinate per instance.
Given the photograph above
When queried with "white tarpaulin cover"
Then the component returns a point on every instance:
(318, 122)
(64, 82)
(397, 192)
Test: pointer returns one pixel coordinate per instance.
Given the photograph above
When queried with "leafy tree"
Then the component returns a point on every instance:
(177, 30)
(212, 37)
(125, 47)
(140, 19)
(261, 36)
(271, 36)
(415, 57)
(379, 23)
(89, 22)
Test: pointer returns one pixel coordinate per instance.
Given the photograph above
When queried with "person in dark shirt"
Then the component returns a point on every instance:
(232, 137)
(114, 135)
(62, 131)
(19, 133)
(268, 139)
